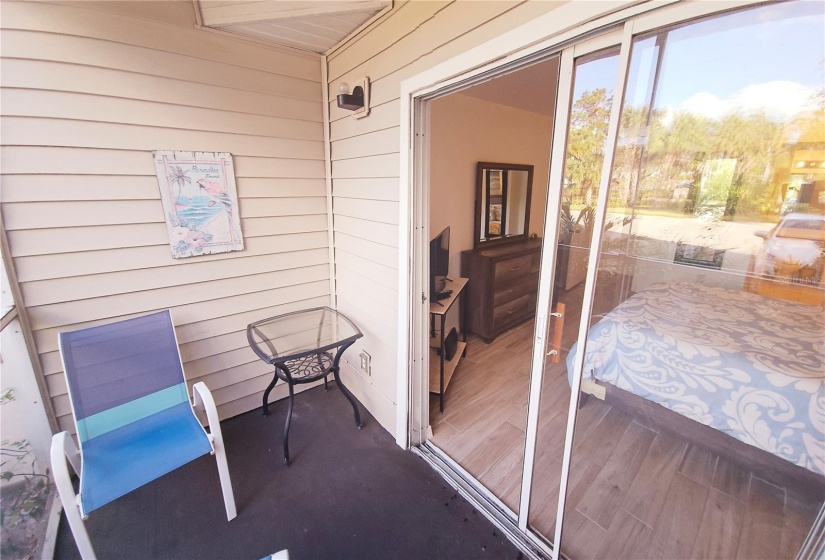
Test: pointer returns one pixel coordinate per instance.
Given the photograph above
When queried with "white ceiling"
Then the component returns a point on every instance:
(312, 25)
(529, 89)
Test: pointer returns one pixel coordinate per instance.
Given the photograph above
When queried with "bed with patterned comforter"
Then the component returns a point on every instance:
(747, 365)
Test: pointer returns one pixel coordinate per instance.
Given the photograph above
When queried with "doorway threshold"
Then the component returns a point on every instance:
(481, 500)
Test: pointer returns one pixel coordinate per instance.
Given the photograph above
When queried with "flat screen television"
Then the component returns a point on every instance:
(439, 262)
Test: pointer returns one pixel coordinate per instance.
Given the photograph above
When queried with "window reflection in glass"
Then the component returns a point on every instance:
(708, 331)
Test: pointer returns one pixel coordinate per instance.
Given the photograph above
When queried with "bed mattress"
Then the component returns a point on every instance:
(747, 365)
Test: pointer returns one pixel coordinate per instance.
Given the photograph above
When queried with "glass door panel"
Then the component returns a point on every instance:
(707, 327)
(594, 78)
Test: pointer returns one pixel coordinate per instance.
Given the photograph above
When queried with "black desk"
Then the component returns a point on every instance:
(441, 370)
(304, 346)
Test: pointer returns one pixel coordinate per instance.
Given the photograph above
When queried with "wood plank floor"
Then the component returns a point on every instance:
(636, 491)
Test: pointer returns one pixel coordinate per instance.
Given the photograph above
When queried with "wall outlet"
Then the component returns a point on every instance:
(365, 363)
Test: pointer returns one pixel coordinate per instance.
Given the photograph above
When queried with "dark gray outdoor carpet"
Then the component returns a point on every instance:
(347, 493)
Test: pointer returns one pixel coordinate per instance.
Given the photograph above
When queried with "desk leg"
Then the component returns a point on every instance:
(344, 390)
(463, 305)
(441, 373)
(265, 407)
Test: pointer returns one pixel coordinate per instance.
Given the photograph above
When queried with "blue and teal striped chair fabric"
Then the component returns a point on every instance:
(129, 396)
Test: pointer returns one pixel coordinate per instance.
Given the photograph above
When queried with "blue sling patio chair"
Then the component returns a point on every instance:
(134, 419)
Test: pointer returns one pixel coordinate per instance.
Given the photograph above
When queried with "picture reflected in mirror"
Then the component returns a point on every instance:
(502, 201)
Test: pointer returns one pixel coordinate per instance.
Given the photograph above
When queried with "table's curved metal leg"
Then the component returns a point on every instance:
(344, 390)
(286, 427)
(265, 407)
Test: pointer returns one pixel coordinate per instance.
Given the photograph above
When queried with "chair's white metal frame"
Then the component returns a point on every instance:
(63, 449)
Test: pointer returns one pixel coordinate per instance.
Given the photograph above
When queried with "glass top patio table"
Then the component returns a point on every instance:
(292, 336)
(304, 346)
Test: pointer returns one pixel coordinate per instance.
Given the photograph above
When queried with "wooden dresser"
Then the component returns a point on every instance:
(503, 284)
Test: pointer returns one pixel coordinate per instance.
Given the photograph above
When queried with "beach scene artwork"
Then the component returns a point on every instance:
(200, 202)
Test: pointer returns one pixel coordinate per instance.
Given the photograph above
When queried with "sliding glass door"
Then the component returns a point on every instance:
(687, 306)
(592, 89)
(676, 404)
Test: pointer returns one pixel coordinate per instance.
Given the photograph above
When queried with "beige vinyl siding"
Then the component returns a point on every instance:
(413, 37)
(89, 89)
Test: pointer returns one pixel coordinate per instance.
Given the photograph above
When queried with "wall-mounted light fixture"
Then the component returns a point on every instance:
(356, 99)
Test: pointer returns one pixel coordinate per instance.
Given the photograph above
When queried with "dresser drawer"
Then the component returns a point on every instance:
(508, 291)
(512, 310)
(513, 268)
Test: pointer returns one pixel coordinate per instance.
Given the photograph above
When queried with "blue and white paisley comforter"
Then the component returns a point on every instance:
(750, 366)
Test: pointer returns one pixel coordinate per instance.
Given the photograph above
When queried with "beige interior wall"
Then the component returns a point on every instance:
(88, 91)
(465, 130)
(413, 37)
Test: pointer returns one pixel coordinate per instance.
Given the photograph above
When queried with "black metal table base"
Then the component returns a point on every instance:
(282, 371)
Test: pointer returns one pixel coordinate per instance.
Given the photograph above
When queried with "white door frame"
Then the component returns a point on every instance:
(564, 24)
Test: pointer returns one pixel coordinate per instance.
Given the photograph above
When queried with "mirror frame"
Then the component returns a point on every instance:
(477, 221)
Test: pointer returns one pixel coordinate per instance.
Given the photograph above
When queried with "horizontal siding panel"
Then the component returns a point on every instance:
(27, 243)
(39, 160)
(34, 215)
(87, 95)
(265, 187)
(94, 238)
(259, 227)
(42, 188)
(51, 188)
(387, 88)
(385, 141)
(79, 106)
(452, 22)
(372, 188)
(82, 264)
(188, 317)
(110, 82)
(373, 166)
(376, 252)
(384, 275)
(194, 337)
(247, 370)
(203, 349)
(404, 20)
(380, 295)
(85, 287)
(88, 310)
(254, 386)
(386, 234)
(113, 54)
(379, 325)
(382, 211)
(174, 39)
(75, 161)
(225, 361)
(281, 168)
(180, 12)
(24, 131)
(380, 117)
(268, 207)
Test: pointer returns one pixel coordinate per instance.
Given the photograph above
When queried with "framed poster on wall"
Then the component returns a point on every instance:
(200, 202)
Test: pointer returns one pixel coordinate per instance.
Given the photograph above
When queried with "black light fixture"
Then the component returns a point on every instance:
(356, 99)
(352, 101)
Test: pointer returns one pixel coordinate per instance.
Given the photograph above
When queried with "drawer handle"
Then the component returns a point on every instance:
(514, 268)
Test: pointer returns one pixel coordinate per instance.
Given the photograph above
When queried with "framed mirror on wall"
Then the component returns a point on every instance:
(503, 192)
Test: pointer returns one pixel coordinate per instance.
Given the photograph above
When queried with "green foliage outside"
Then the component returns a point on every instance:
(735, 167)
